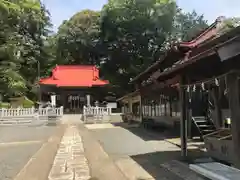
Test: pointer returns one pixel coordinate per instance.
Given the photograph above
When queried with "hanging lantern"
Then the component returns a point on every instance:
(194, 88)
(216, 82)
(226, 91)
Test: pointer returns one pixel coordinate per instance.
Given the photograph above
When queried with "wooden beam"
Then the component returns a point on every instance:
(183, 118)
(233, 91)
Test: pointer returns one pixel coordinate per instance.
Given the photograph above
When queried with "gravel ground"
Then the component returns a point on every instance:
(15, 155)
(122, 142)
(147, 148)
(24, 133)
(13, 159)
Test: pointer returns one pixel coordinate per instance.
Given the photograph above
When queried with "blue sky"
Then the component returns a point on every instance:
(63, 9)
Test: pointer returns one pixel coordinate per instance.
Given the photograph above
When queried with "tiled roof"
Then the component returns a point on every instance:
(74, 76)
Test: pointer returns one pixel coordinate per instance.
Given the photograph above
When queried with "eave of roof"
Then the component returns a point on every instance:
(214, 43)
(128, 95)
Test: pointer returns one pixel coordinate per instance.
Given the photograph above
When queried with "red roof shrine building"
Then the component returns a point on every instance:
(72, 84)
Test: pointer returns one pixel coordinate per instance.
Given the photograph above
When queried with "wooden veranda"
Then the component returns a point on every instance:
(207, 66)
(214, 67)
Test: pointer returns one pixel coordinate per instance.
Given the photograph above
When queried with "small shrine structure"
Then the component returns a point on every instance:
(74, 86)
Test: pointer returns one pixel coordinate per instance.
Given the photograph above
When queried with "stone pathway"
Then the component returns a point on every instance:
(70, 162)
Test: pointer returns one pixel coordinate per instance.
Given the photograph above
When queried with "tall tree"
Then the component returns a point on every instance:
(187, 25)
(78, 39)
(24, 26)
(125, 37)
(133, 31)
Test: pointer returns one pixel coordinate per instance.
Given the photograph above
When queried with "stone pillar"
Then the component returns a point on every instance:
(88, 100)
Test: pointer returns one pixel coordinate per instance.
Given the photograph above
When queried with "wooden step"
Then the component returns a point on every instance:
(207, 131)
(206, 127)
(200, 120)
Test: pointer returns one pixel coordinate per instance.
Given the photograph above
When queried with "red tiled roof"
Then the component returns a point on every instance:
(74, 76)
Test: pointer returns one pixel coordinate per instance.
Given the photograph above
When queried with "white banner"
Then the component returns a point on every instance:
(53, 100)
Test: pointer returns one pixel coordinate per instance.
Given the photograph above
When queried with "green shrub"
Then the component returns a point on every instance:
(27, 103)
(4, 105)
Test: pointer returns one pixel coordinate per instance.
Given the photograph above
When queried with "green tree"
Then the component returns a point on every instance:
(187, 25)
(78, 38)
(133, 32)
(23, 30)
(125, 37)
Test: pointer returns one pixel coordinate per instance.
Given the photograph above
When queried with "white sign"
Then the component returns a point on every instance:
(112, 105)
(88, 100)
(53, 100)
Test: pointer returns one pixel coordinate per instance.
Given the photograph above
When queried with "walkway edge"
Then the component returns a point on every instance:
(101, 165)
(39, 165)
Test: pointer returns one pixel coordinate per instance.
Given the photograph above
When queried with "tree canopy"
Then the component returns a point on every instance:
(122, 39)
(24, 28)
(125, 37)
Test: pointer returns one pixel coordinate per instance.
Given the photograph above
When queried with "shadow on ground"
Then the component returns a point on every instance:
(151, 162)
(148, 134)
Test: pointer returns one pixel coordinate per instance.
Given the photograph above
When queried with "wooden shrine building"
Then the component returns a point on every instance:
(72, 84)
(198, 82)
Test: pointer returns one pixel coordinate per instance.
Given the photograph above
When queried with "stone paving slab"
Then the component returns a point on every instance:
(70, 162)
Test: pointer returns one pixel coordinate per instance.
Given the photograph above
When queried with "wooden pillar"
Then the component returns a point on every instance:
(217, 108)
(183, 119)
(141, 107)
(165, 106)
(189, 114)
(233, 94)
(170, 104)
(63, 98)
